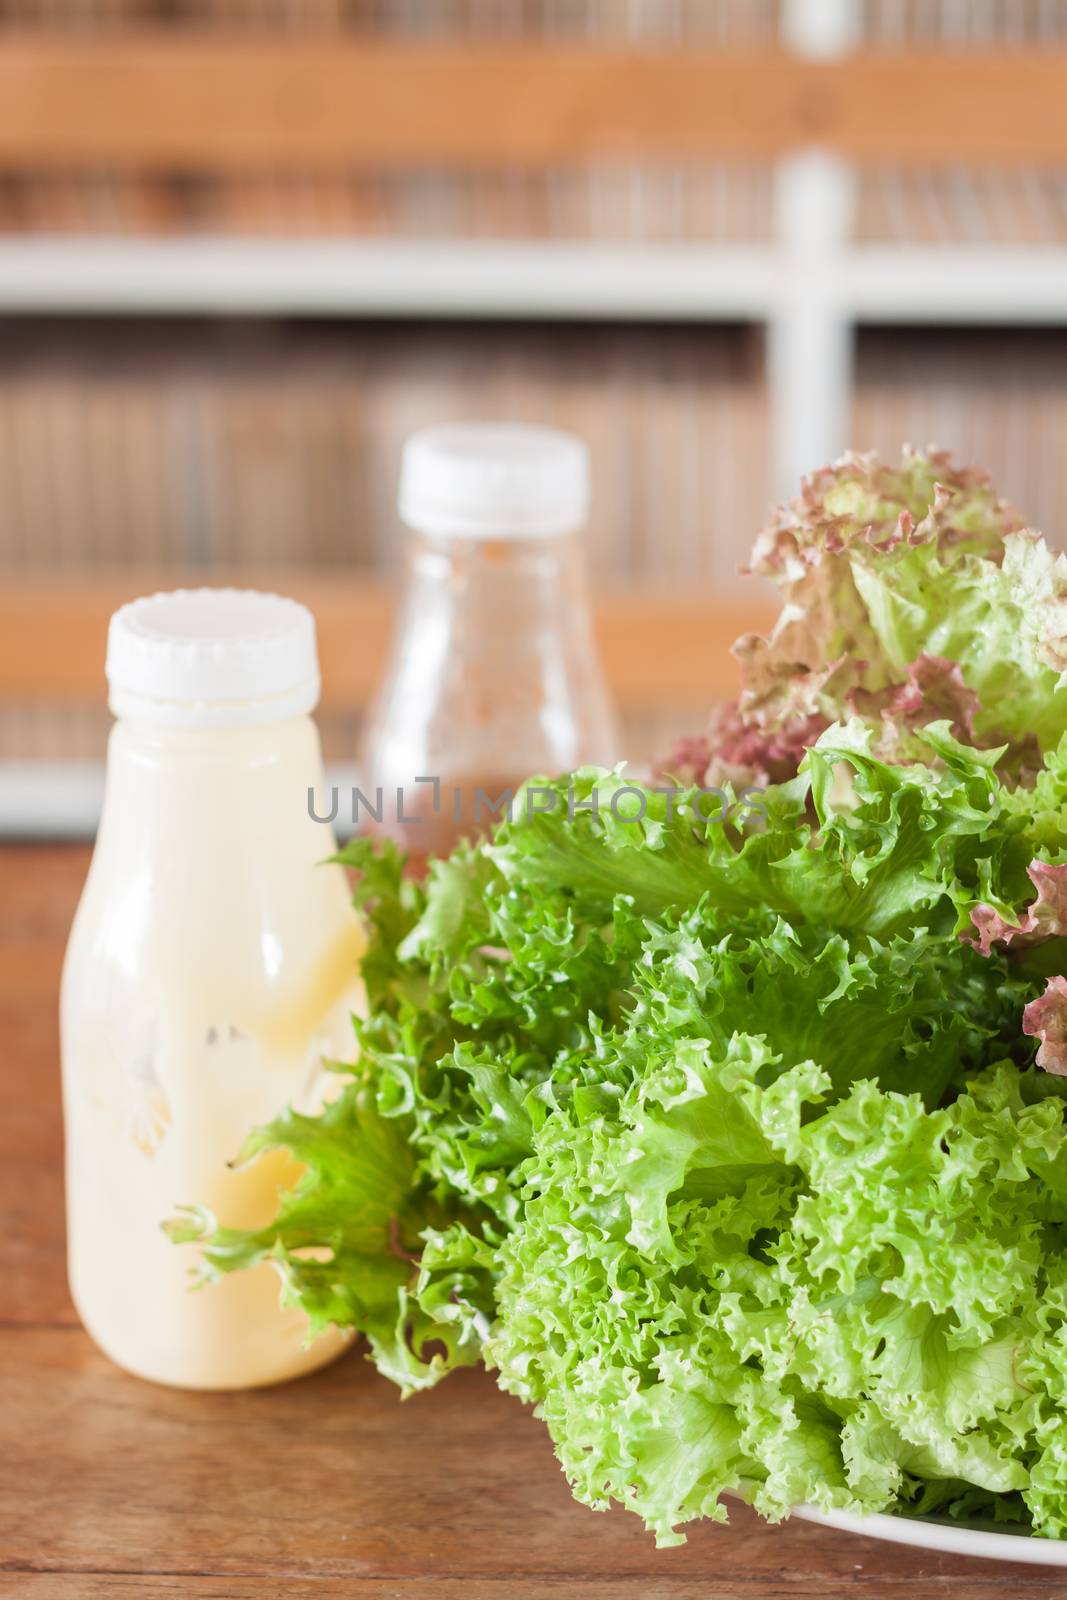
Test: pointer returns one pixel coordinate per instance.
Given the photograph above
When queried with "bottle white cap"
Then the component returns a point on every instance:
(212, 658)
(493, 480)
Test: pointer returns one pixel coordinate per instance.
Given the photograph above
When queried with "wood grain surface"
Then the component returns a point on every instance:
(323, 1488)
(160, 100)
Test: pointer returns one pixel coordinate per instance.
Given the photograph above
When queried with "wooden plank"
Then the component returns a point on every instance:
(203, 1586)
(660, 648)
(333, 1479)
(39, 889)
(157, 101)
(555, 1586)
(105, 1586)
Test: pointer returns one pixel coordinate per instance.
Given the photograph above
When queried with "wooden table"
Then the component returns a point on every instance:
(321, 1488)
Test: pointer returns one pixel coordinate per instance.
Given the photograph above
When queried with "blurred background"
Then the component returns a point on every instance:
(246, 246)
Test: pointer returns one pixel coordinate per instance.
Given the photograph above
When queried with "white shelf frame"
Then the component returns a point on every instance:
(812, 290)
(960, 284)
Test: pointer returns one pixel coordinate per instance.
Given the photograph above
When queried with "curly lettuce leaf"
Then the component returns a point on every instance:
(1003, 622)
(910, 594)
(854, 843)
(1045, 1019)
(718, 1285)
(1045, 918)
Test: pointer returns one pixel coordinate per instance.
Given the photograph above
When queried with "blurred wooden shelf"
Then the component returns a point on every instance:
(159, 100)
(179, 105)
(666, 648)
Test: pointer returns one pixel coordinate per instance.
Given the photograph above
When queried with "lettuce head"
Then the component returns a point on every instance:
(731, 1135)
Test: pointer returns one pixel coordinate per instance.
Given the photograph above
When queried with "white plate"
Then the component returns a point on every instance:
(957, 1541)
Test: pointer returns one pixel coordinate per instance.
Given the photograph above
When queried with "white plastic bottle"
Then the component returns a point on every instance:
(211, 968)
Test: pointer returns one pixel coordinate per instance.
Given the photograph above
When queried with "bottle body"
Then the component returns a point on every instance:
(494, 677)
(211, 968)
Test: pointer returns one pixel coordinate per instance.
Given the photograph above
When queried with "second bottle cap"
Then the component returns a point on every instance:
(488, 480)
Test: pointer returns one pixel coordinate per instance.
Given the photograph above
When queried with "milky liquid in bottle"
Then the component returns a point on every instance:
(211, 970)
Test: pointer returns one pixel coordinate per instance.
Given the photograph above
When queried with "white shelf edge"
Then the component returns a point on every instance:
(953, 284)
(941, 283)
(62, 799)
(372, 278)
(50, 799)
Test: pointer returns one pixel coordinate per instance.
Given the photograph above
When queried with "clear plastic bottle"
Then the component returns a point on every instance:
(494, 673)
(211, 967)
